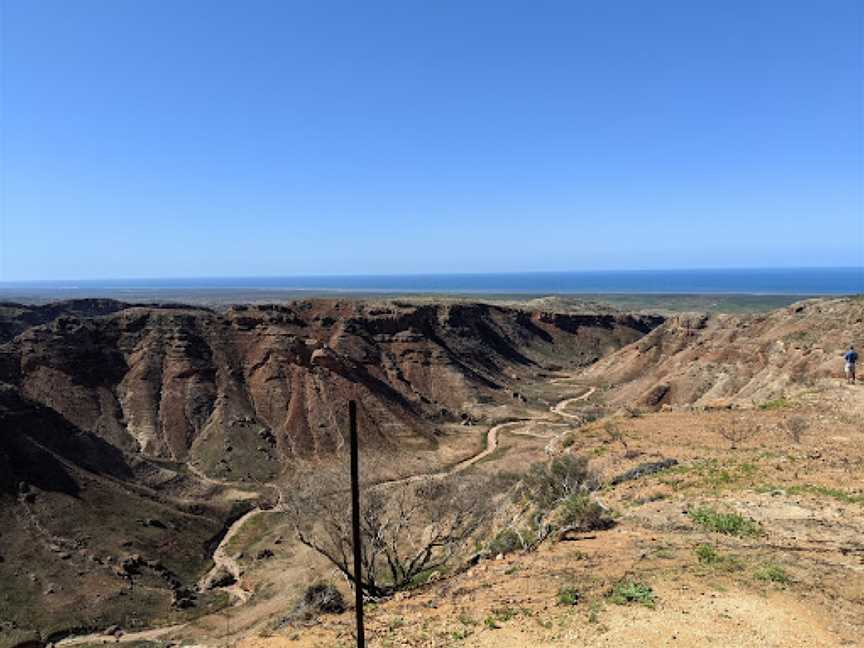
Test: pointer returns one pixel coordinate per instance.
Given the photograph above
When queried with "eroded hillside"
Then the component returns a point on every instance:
(722, 360)
(132, 436)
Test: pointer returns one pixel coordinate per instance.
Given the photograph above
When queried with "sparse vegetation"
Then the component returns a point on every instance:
(628, 591)
(614, 434)
(491, 623)
(776, 404)
(815, 489)
(795, 427)
(710, 474)
(726, 523)
(459, 634)
(772, 573)
(569, 595)
(594, 612)
(498, 616)
(504, 614)
(632, 412)
(556, 494)
(708, 556)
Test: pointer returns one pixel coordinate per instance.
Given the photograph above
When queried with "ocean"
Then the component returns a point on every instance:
(786, 281)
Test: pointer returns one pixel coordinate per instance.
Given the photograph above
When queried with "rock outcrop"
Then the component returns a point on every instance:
(721, 361)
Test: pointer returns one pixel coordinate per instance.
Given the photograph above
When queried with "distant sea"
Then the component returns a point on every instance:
(794, 281)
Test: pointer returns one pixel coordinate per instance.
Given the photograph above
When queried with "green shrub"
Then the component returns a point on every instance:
(726, 523)
(548, 484)
(707, 554)
(568, 595)
(777, 403)
(710, 557)
(504, 614)
(499, 615)
(580, 512)
(460, 633)
(772, 573)
(507, 541)
(466, 619)
(630, 591)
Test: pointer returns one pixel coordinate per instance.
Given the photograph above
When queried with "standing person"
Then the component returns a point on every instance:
(851, 358)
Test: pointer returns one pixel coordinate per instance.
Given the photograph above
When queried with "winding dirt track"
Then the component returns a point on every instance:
(492, 440)
(560, 407)
(221, 559)
(143, 635)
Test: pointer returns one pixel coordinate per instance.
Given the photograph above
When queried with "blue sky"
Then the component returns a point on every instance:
(214, 138)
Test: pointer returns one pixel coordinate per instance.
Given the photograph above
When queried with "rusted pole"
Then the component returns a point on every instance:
(355, 522)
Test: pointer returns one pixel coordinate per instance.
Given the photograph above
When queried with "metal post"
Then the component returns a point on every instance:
(355, 522)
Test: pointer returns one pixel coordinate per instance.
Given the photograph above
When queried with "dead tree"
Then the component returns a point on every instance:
(795, 427)
(737, 432)
(407, 531)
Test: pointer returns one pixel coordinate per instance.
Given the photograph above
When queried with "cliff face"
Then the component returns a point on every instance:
(726, 359)
(251, 388)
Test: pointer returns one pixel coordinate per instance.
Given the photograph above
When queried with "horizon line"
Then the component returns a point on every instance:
(11, 282)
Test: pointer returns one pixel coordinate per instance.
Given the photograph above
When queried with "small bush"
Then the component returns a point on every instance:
(324, 597)
(320, 598)
(630, 591)
(726, 523)
(772, 573)
(504, 614)
(589, 415)
(548, 484)
(568, 595)
(614, 433)
(499, 615)
(710, 557)
(580, 513)
(777, 403)
(707, 554)
(507, 541)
